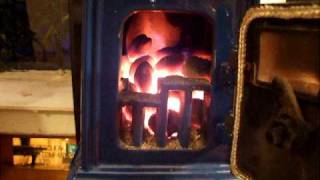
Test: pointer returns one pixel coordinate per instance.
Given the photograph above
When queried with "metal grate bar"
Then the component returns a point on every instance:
(140, 100)
(137, 124)
(185, 126)
(162, 123)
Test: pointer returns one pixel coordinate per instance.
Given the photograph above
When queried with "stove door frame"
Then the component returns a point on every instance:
(102, 34)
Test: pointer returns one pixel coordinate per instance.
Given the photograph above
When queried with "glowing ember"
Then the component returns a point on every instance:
(126, 113)
(125, 65)
(174, 103)
(147, 115)
(173, 135)
(198, 95)
(155, 26)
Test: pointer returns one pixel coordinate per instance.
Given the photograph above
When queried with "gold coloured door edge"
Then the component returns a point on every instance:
(280, 12)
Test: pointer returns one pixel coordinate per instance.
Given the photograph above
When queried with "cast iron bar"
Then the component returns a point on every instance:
(162, 123)
(184, 84)
(185, 126)
(137, 124)
(138, 101)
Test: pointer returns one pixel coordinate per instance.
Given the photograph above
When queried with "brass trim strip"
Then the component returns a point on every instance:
(268, 11)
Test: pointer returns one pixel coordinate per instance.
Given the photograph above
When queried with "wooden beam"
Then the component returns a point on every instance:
(6, 152)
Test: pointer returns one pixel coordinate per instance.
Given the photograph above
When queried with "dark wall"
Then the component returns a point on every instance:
(15, 34)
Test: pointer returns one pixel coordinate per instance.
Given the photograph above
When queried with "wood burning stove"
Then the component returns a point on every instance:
(157, 90)
(157, 87)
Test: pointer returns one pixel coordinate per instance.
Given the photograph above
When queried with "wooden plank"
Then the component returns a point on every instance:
(272, 1)
(41, 123)
(36, 90)
(25, 173)
(37, 103)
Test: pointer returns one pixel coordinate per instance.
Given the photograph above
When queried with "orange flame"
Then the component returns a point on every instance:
(156, 26)
(148, 112)
(198, 95)
(174, 103)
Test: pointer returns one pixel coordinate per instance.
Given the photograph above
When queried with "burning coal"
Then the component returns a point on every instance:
(153, 51)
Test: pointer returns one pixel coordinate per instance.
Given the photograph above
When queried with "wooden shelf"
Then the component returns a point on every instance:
(36, 103)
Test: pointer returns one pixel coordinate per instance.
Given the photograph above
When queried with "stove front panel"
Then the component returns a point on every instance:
(105, 24)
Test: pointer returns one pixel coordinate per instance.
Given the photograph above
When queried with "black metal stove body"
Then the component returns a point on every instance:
(100, 155)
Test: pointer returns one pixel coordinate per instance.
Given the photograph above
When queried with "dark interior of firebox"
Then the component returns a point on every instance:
(165, 80)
